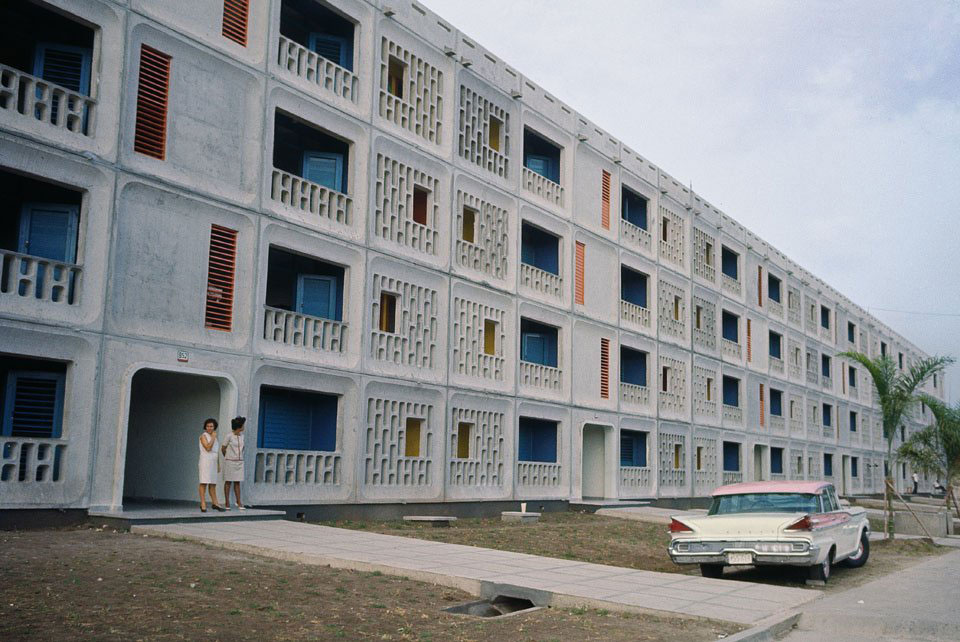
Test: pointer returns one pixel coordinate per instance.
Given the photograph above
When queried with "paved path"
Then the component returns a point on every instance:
(562, 582)
(919, 603)
(652, 514)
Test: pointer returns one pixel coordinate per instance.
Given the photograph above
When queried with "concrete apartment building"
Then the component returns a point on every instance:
(421, 277)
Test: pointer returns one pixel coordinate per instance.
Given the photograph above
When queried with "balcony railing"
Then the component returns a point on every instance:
(826, 333)
(731, 349)
(777, 476)
(828, 431)
(297, 467)
(299, 193)
(778, 423)
(303, 331)
(635, 314)
(776, 365)
(540, 474)
(732, 477)
(542, 187)
(31, 460)
(733, 414)
(776, 308)
(635, 235)
(826, 382)
(730, 284)
(296, 59)
(536, 375)
(45, 101)
(634, 395)
(38, 278)
(853, 392)
(634, 477)
(542, 281)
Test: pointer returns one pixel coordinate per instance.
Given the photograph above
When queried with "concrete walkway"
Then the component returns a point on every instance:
(918, 603)
(477, 570)
(652, 514)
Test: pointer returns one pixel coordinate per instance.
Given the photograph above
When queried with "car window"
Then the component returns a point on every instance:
(833, 498)
(764, 503)
(825, 502)
(829, 502)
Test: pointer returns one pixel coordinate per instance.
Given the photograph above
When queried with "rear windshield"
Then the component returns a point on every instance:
(765, 503)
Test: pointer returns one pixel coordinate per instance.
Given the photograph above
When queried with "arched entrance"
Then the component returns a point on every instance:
(167, 410)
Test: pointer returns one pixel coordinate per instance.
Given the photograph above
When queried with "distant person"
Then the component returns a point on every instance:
(233, 462)
(938, 487)
(209, 464)
(916, 483)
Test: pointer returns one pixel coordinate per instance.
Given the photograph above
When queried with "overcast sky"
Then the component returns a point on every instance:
(829, 128)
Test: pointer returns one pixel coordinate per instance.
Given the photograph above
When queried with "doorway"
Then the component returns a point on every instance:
(758, 457)
(167, 411)
(593, 469)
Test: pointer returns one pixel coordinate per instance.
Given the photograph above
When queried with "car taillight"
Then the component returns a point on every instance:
(802, 524)
(677, 526)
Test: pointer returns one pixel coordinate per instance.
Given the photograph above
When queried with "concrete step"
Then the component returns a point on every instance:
(176, 514)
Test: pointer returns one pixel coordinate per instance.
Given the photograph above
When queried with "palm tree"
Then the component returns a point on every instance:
(896, 394)
(936, 448)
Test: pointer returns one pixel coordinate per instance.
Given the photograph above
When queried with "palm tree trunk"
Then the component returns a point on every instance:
(887, 495)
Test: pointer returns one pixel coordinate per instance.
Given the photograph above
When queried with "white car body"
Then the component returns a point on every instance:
(824, 534)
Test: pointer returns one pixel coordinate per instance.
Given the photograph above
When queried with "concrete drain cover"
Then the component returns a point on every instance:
(500, 606)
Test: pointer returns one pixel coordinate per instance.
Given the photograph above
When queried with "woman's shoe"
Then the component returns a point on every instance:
(227, 507)
(241, 507)
(203, 509)
(218, 507)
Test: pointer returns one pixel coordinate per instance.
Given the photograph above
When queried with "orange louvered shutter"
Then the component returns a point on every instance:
(150, 136)
(235, 20)
(762, 406)
(604, 368)
(605, 200)
(749, 343)
(760, 286)
(220, 278)
(578, 273)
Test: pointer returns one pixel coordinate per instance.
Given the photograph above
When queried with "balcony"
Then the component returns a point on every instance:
(778, 423)
(829, 432)
(776, 366)
(826, 334)
(541, 281)
(826, 382)
(42, 279)
(316, 44)
(633, 395)
(542, 187)
(536, 375)
(538, 474)
(541, 172)
(31, 460)
(297, 468)
(38, 99)
(731, 349)
(317, 200)
(635, 236)
(635, 315)
(732, 477)
(853, 392)
(633, 478)
(299, 61)
(303, 331)
(776, 308)
(732, 414)
(730, 285)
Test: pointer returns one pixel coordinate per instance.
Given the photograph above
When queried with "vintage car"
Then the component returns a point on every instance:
(775, 522)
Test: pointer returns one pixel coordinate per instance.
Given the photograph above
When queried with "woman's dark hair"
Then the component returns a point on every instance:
(211, 420)
(237, 422)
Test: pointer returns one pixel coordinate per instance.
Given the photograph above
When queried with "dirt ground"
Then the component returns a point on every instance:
(99, 584)
(632, 544)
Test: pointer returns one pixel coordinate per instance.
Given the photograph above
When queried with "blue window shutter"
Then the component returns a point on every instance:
(626, 449)
(64, 65)
(776, 402)
(33, 404)
(324, 434)
(534, 348)
(731, 392)
(545, 444)
(550, 350)
(317, 296)
(827, 465)
(731, 456)
(334, 48)
(324, 168)
(776, 461)
(49, 230)
(525, 442)
(640, 444)
(285, 421)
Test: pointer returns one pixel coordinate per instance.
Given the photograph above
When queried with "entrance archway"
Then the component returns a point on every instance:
(166, 416)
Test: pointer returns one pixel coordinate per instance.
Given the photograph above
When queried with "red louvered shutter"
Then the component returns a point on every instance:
(762, 406)
(604, 368)
(749, 343)
(759, 286)
(605, 200)
(220, 278)
(150, 135)
(579, 273)
(235, 14)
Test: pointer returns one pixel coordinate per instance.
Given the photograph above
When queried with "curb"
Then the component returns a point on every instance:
(771, 628)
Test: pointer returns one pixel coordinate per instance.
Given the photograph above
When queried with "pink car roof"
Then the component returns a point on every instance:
(805, 487)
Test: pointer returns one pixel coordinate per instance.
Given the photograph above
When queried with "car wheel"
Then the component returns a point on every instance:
(711, 570)
(860, 556)
(821, 572)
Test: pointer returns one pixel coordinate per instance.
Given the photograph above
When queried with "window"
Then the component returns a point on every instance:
(633, 208)
(677, 456)
(731, 391)
(709, 388)
(633, 366)
(633, 448)
(538, 343)
(776, 461)
(852, 376)
(854, 467)
(698, 317)
(412, 437)
(297, 420)
(776, 343)
(827, 415)
(541, 156)
(699, 454)
(883, 348)
(579, 268)
(220, 278)
(825, 317)
(903, 434)
(776, 402)
(235, 21)
(396, 72)
(324, 32)
(900, 359)
(773, 288)
(827, 465)
(934, 381)
(731, 457)
(793, 409)
(730, 326)
(464, 440)
(708, 253)
(903, 471)
(851, 332)
(825, 365)
(665, 379)
(676, 308)
(311, 153)
(539, 249)
(853, 421)
(730, 263)
(537, 440)
(490, 336)
(664, 230)
(468, 229)
(150, 132)
(421, 200)
(304, 285)
(495, 133)
(633, 286)
(388, 312)
(33, 402)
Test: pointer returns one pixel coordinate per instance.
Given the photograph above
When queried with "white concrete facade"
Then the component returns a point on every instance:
(132, 335)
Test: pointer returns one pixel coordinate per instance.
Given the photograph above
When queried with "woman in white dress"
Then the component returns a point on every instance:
(232, 450)
(209, 465)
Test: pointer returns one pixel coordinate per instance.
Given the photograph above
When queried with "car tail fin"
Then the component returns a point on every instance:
(676, 526)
